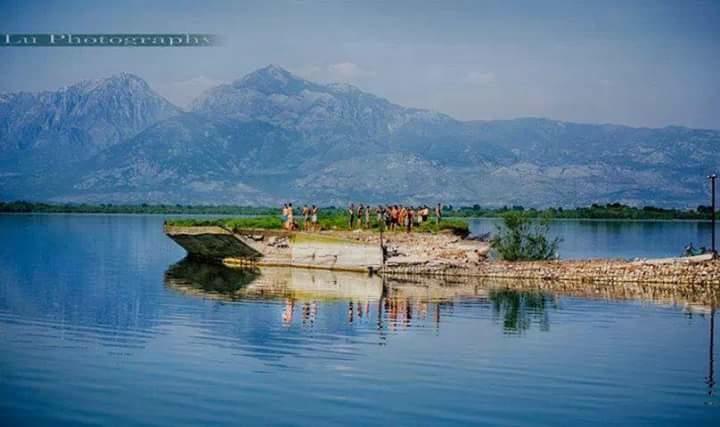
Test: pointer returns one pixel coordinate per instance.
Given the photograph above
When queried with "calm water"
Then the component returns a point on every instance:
(101, 323)
(620, 239)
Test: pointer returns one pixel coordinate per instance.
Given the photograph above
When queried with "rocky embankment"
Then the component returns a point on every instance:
(598, 272)
(426, 254)
(442, 250)
(449, 255)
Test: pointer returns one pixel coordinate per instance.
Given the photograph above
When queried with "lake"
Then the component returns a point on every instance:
(103, 322)
(619, 239)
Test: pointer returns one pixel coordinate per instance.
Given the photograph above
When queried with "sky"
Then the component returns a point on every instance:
(638, 63)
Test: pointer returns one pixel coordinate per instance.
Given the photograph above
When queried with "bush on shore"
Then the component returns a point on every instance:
(522, 238)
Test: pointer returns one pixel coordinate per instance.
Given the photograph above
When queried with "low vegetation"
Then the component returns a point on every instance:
(336, 220)
(595, 211)
(264, 222)
(521, 237)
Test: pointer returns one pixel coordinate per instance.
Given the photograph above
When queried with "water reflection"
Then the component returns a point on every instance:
(519, 309)
(210, 279)
(710, 380)
(91, 334)
(401, 302)
(311, 298)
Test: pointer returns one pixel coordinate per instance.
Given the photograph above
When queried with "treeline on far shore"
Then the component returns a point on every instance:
(595, 211)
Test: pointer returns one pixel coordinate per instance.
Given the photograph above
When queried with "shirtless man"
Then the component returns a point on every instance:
(438, 213)
(402, 217)
(367, 216)
(290, 217)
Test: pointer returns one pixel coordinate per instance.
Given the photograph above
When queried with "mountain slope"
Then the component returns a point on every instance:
(76, 122)
(189, 158)
(272, 136)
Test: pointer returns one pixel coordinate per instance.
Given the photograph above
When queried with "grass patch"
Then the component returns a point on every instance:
(328, 221)
(263, 222)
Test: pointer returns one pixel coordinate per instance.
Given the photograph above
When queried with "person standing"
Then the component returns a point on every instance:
(367, 216)
(438, 213)
(290, 217)
(306, 217)
(284, 215)
(360, 211)
(314, 218)
(395, 217)
(351, 211)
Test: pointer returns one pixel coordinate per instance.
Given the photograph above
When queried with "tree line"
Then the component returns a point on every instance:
(595, 211)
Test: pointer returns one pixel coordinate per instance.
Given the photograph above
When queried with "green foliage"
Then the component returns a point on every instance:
(264, 222)
(523, 238)
(595, 211)
(144, 208)
(332, 220)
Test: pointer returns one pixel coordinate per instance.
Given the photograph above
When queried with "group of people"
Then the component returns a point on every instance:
(392, 217)
(310, 218)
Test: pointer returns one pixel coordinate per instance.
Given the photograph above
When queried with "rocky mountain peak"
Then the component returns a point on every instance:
(273, 79)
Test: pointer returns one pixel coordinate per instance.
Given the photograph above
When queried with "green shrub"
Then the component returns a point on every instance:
(264, 222)
(522, 238)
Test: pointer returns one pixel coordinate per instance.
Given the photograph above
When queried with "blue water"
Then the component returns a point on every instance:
(92, 331)
(619, 239)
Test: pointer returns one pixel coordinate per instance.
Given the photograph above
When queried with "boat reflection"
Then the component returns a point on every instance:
(221, 282)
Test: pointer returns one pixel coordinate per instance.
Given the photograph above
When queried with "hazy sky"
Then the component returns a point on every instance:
(643, 63)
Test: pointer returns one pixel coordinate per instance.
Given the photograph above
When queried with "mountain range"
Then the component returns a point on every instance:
(272, 136)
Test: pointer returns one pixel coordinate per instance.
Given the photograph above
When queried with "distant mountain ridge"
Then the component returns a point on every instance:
(273, 136)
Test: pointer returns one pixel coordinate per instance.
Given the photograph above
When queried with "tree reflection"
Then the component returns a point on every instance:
(520, 309)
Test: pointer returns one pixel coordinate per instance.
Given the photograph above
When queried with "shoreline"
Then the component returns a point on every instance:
(228, 283)
(423, 254)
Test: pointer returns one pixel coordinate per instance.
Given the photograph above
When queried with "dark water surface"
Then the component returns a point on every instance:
(101, 323)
